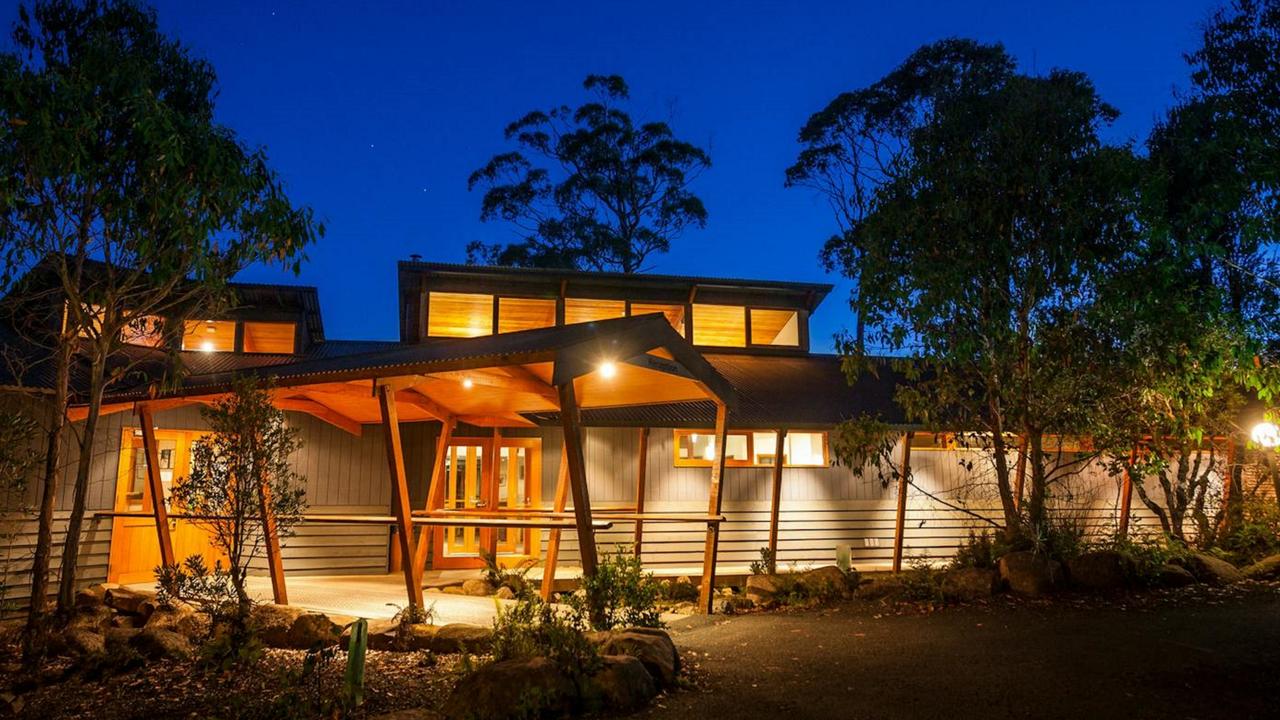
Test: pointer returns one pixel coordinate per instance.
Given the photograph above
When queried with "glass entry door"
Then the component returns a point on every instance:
(471, 485)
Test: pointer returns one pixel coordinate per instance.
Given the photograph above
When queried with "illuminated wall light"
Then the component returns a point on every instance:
(207, 346)
(608, 370)
(710, 452)
(1266, 434)
(468, 383)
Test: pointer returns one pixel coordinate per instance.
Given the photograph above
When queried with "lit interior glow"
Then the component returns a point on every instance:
(608, 369)
(710, 452)
(467, 383)
(1266, 434)
(207, 346)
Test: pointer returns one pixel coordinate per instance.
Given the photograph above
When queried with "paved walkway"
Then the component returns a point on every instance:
(374, 597)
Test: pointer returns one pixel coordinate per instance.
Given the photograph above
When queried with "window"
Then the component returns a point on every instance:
(209, 335)
(459, 315)
(775, 327)
(147, 331)
(268, 337)
(515, 314)
(694, 448)
(720, 325)
(579, 310)
(674, 313)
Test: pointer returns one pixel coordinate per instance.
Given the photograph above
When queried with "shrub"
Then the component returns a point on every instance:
(513, 578)
(921, 582)
(1149, 554)
(620, 593)
(231, 636)
(1257, 535)
(766, 565)
(1061, 536)
(532, 628)
(979, 551)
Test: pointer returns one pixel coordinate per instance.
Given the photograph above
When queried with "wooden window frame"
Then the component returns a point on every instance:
(799, 328)
(557, 319)
(749, 435)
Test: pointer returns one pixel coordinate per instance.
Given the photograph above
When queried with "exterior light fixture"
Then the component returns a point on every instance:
(608, 370)
(468, 383)
(710, 452)
(206, 346)
(1266, 434)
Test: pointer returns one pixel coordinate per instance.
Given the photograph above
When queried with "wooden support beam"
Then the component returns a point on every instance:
(641, 471)
(706, 593)
(545, 389)
(400, 493)
(573, 439)
(489, 479)
(435, 492)
(1020, 474)
(320, 411)
(420, 400)
(1126, 493)
(900, 520)
(553, 537)
(158, 511)
(275, 563)
(775, 497)
(510, 380)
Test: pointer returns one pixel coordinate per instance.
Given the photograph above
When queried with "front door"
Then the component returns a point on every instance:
(469, 484)
(135, 548)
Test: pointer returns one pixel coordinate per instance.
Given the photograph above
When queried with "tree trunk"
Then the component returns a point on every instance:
(35, 634)
(1038, 497)
(71, 546)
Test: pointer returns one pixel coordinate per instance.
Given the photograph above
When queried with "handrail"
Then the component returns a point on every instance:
(504, 522)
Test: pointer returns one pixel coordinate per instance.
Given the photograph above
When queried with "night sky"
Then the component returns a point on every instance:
(376, 115)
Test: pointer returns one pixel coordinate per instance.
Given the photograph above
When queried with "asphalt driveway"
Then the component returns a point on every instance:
(1205, 656)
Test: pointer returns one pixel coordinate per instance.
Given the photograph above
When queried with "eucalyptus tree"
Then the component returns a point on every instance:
(590, 188)
(978, 248)
(118, 185)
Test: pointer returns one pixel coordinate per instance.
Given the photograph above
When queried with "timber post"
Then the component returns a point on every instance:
(577, 466)
(900, 524)
(435, 491)
(400, 494)
(155, 486)
(1126, 493)
(553, 537)
(775, 498)
(706, 591)
(641, 471)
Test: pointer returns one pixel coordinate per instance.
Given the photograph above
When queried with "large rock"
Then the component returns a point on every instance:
(827, 582)
(530, 688)
(680, 589)
(1174, 576)
(127, 601)
(970, 583)
(460, 637)
(92, 618)
(120, 638)
(1213, 571)
(84, 642)
(505, 593)
(1267, 568)
(178, 617)
(394, 636)
(763, 590)
(879, 588)
(477, 588)
(651, 646)
(161, 645)
(623, 684)
(1100, 570)
(1027, 573)
(93, 596)
(281, 626)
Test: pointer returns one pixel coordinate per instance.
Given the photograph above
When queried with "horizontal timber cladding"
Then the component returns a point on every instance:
(821, 509)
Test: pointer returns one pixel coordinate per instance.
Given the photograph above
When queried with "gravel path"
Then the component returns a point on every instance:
(1206, 656)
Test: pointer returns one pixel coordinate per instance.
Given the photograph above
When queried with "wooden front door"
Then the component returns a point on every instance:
(135, 550)
(469, 484)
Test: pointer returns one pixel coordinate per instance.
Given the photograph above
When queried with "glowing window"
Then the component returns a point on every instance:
(459, 315)
(268, 337)
(147, 331)
(580, 310)
(515, 314)
(720, 325)
(775, 327)
(695, 448)
(209, 335)
(752, 449)
(674, 313)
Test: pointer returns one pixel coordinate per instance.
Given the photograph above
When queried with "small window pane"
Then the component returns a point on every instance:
(763, 446)
(459, 315)
(701, 446)
(516, 314)
(209, 335)
(720, 325)
(804, 448)
(674, 313)
(146, 331)
(268, 337)
(775, 327)
(578, 310)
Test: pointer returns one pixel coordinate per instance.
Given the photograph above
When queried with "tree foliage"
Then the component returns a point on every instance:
(590, 188)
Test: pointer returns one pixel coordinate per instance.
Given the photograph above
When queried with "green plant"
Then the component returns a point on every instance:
(1257, 535)
(532, 628)
(620, 593)
(767, 564)
(232, 639)
(979, 551)
(513, 578)
(921, 582)
(353, 677)
(408, 616)
(1061, 536)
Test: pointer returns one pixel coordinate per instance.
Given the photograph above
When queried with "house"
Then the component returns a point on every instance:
(541, 415)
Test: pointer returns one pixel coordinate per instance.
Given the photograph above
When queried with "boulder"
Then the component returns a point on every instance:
(623, 684)
(127, 601)
(417, 636)
(1027, 573)
(535, 687)
(84, 642)
(460, 637)
(970, 583)
(118, 638)
(92, 618)
(763, 590)
(505, 593)
(1100, 570)
(1174, 576)
(452, 590)
(477, 588)
(879, 588)
(734, 604)
(1267, 568)
(281, 626)
(1213, 571)
(651, 646)
(161, 645)
(382, 635)
(827, 581)
(93, 596)
(680, 589)
(178, 617)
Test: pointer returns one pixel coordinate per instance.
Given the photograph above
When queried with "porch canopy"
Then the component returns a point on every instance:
(491, 381)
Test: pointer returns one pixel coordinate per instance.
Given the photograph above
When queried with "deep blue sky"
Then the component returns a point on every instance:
(376, 115)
